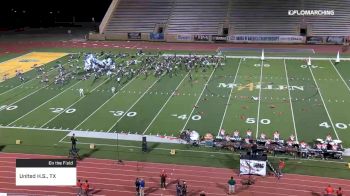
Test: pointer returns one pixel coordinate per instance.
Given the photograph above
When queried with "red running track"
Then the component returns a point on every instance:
(112, 179)
(26, 46)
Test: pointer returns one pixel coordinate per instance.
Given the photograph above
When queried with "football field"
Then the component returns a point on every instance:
(246, 93)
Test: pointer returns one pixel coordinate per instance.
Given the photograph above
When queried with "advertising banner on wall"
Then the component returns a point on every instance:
(339, 40)
(184, 37)
(219, 38)
(134, 36)
(266, 39)
(314, 40)
(156, 36)
(204, 38)
(335, 40)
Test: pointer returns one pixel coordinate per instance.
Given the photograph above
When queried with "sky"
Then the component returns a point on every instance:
(15, 13)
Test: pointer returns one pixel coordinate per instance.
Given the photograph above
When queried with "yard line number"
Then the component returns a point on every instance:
(337, 125)
(262, 121)
(259, 65)
(59, 110)
(312, 66)
(8, 107)
(184, 116)
(121, 113)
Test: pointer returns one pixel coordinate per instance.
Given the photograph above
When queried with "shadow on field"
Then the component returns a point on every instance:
(153, 146)
(315, 194)
(2, 147)
(88, 154)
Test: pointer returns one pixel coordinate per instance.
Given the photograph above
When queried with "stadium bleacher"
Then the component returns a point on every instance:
(138, 15)
(198, 16)
(336, 25)
(208, 17)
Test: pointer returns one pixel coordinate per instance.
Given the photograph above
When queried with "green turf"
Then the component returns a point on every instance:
(128, 150)
(316, 104)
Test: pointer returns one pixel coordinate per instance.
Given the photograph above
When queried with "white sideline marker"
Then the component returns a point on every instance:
(337, 60)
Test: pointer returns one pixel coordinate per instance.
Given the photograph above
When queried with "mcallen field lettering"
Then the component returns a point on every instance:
(251, 87)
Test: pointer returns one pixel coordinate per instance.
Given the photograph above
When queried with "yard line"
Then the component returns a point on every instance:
(28, 94)
(171, 95)
(72, 104)
(17, 86)
(43, 104)
(340, 75)
(258, 115)
(290, 101)
(229, 97)
(133, 105)
(24, 97)
(104, 103)
(205, 86)
(325, 107)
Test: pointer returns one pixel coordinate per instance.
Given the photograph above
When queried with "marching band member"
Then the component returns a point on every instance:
(236, 135)
(291, 137)
(222, 133)
(328, 138)
(319, 146)
(276, 136)
(249, 134)
(324, 146)
(303, 145)
(335, 147)
(290, 143)
(263, 136)
(268, 142)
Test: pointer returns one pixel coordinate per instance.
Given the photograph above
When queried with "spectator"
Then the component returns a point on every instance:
(202, 193)
(231, 186)
(85, 188)
(178, 188)
(281, 166)
(74, 140)
(79, 185)
(184, 188)
(339, 192)
(142, 187)
(137, 185)
(329, 191)
(163, 177)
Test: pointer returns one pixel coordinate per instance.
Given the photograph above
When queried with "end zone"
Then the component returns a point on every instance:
(25, 62)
